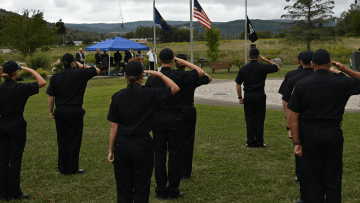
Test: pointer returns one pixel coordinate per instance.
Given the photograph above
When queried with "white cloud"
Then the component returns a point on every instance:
(107, 11)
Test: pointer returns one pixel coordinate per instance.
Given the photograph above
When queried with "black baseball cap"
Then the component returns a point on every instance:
(307, 57)
(254, 52)
(321, 56)
(68, 58)
(182, 56)
(300, 55)
(10, 67)
(166, 54)
(134, 68)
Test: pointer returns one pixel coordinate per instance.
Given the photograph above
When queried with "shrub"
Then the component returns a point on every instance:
(23, 73)
(2, 61)
(350, 34)
(57, 66)
(38, 60)
(70, 42)
(238, 62)
(42, 72)
(270, 54)
(146, 63)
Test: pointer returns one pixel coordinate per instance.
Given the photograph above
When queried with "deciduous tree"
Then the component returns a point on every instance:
(213, 37)
(27, 32)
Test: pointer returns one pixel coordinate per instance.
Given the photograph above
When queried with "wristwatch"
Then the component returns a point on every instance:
(287, 128)
(239, 97)
(297, 143)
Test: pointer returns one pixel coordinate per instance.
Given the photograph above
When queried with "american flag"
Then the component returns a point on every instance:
(200, 14)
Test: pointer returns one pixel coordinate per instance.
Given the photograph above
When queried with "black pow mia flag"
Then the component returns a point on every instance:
(251, 31)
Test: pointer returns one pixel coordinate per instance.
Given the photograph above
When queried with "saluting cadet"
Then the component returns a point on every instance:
(253, 75)
(66, 90)
(189, 117)
(168, 124)
(281, 91)
(13, 128)
(306, 72)
(131, 114)
(321, 99)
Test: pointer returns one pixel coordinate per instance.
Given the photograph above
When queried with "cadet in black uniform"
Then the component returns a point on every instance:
(189, 117)
(131, 115)
(168, 125)
(66, 89)
(13, 128)
(321, 100)
(306, 72)
(98, 57)
(253, 75)
(281, 91)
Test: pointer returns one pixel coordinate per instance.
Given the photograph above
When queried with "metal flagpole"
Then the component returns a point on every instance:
(109, 63)
(155, 61)
(245, 31)
(191, 32)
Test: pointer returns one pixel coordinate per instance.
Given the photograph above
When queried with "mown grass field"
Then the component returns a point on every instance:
(224, 169)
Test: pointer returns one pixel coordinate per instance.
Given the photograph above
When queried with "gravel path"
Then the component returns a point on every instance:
(223, 93)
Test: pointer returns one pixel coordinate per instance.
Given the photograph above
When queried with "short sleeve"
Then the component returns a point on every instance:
(295, 103)
(202, 81)
(288, 90)
(113, 115)
(353, 86)
(30, 89)
(162, 94)
(271, 68)
(239, 80)
(51, 89)
(191, 76)
(89, 73)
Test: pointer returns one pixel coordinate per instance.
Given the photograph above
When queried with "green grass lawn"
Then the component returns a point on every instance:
(224, 169)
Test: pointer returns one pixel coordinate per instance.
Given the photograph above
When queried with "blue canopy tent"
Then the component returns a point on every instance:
(116, 44)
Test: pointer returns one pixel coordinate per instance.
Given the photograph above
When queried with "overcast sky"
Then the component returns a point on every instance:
(108, 11)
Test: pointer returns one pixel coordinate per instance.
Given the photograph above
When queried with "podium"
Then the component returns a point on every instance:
(140, 59)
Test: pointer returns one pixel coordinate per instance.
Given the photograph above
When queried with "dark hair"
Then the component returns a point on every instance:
(254, 56)
(66, 63)
(166, 61)
(8, 76)
(178, 66)
(131, 79)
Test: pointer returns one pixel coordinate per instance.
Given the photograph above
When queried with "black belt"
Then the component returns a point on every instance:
(325, 123)
(70, 105)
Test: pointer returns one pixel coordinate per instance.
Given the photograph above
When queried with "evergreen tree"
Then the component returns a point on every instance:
(306, 16)
(61, 29)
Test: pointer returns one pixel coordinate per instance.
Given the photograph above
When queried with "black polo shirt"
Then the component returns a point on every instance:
(287, 77)
(181, 78)
(190, 90)
(306, 72)
(253, 75)
(13, 96)
(323, 96)
(133, 108)
(68, 85)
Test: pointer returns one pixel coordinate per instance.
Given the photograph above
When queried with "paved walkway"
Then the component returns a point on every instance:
(223, 93)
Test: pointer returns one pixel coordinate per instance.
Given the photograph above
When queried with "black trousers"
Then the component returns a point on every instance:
(189, 117)
(322, 153)
(167, 134)
(69, 126)
(12, 145)
(133, 166)
(255, 110)
(152, 65)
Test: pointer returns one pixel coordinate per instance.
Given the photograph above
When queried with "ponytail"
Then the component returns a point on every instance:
(131, 79)
(8, 76)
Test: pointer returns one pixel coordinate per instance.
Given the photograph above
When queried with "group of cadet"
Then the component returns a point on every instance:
(314, 98)
(165, 104)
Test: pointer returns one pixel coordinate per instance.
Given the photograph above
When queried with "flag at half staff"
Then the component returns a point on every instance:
(251, 31)
(162, 22)
(200, 14)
